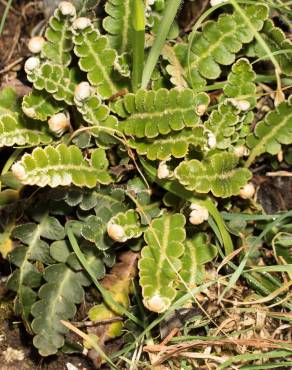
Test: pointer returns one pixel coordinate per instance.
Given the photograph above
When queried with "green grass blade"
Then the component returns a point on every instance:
(238, 272)
(4, 16)
(163, 29)
(138, 40)
(253, 356)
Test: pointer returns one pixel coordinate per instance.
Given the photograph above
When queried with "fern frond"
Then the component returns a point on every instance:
(197, 253)
(150, 113)
(240, 87)
(217, 173)
(227, 125)
(95, 231)
(56, 79)
(40, 105)
(277, 42)
(59, 44)
(124, 226)
(230, 122)
(175, 144)
(96, 113)
(274, 130)
(118, 24)
(97, 59)
(58, 299)
(218, 43)
(62, 165)
(27, 277)
(15, 130)
(160, 259)
(106, 202)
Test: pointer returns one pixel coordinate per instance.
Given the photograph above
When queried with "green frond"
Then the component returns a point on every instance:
(218, 43)
(124, 226)
(217, 173)
(160, 258)
(150, 113)
(240, 87)
(15, 130)
(272, 132)
(40, 105)
(56, 79)
(175, 144)
(59, 43)
(197, 253)
(118, 24)
(97, 59)
(58, 298)
(96, 114)
(278, 43)
(27, 277)
(62, 165)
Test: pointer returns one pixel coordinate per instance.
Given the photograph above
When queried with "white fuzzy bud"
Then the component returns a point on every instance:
(248, 191)
(18, 171)
(31, 64)
(29, 112)
(116, 232)
(82, 91)
(211, 140)
(67, 8)
(36, 44)
(81, 23)
(242, 105)
(156, 304)
(163, 171)
(217, 2)
(241, 151)
(198, 214)
(59, 123)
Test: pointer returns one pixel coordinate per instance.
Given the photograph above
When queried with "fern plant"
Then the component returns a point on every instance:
(136, 174)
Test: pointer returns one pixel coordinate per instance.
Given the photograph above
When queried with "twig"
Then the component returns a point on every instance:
(96, 323)
(89, 340)
(11, 65)
(279, 173)
(174, 350)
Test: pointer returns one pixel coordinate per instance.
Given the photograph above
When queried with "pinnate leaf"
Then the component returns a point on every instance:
(56, 79)
(175, 144)
(219, 42)
(97, 59)
(160, 258)
(16, 130)
(118, 24)
(62, 165)
(59, 39)
(128, 223)
(273, 131)
(58, 299)
(218, 173)
(197, 253)
(40, 105)
(150, 113)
